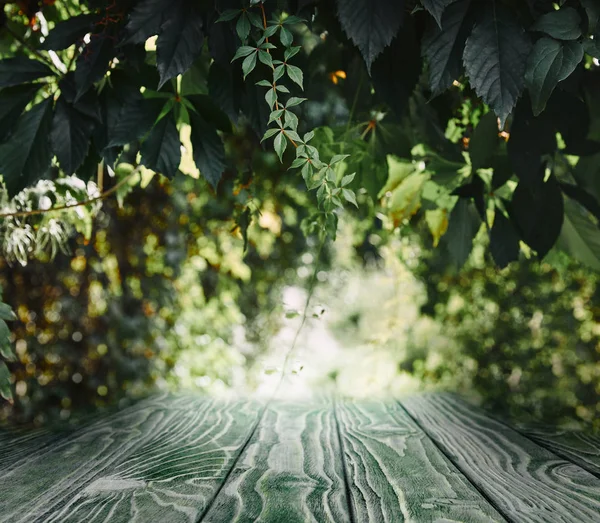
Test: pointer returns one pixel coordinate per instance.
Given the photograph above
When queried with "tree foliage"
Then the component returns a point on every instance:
(465, 114)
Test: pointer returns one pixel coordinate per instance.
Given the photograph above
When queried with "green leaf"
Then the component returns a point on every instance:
(265, 58)
(463, 225)
(210, 112)
(538, 214)
(228, 15)
(145, 20)
(549, 63)
(444, 47)
(6, 313)
(564, 24)
(370, 25)
(19, 70)
(495, 60)
(161, 151)
(269, 133)
(208, 150)
(278, 72)
(70, 136)
(286, 37)
(5, 389)
(291, 52)
(295, 74)
(293, 101)
(180, 41)
(249, 64)
(282, 89)
(271, 98)
(436, 8)
(93, 62)
(245, 50)
(484, 141)
(280, 144)
(580, 236)
(349, 196)
(291, 120)
(504, 241)
(346, 180)
(242, 28)
(135, 119)
(26, 156)
(13, 101)
(70, 31)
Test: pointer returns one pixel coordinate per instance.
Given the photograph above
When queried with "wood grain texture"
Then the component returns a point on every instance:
(579, 447)
(397, 474)
(527, 483)
(161, 462)
(290, 472)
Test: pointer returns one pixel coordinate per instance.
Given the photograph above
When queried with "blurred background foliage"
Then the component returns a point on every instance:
(170, 290)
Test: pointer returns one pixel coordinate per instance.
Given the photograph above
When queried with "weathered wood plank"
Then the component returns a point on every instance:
(528, 483)
(577, 446)
(290, 472)
(397, 474)
(163, 462)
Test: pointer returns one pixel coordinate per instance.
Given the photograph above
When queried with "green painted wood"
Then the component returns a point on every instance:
(290, 472)
(397, 474)
(527, 482)
(161, 462)
(577, 446)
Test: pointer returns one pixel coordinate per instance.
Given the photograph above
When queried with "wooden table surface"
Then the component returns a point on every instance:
(184, 458)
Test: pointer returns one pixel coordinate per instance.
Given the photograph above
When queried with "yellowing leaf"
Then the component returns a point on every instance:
(405, 200)
(398, 170)
(437, 221)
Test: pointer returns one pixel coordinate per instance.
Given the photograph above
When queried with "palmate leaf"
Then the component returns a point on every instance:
(19, 70)
(69, 31)
(484, 141)
(370, 25)
(436, 8)
(13, 101)
(135, 119)
(180, 40)
(208, 150)
(70, 137)
(145, 20)
(504, 241)
(93, 62)
(495, 59)
(550, 62)
(26, 156)
(463, 225)
(538, 214)
(444, 47)
(564, 24)
(580, 236)
(161, 151)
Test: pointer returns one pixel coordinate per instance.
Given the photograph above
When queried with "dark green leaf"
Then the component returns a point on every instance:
(13, 101)
(495, 59)
(249, 64)
(161, 151)
(396, 72)
(228, 15)
(180, 41)
(286, 37)
(136, 118)
(69, 32)
(530, 139)
(70, 136)
(580, 236)
(564, 24)
(242, 27)
(504, 241)
(19, 70)
(210, 112)
(463, 225)
(371, 25)
(549, 63)
(145, 20)
(484, 141)
(583, 197)
(436, 8)
(295, 75)
(6, 313)
(5, 389)
(444, 47)
(26, 156)
(538, 214)
(93, 62)
(5, 346)
(209, 153)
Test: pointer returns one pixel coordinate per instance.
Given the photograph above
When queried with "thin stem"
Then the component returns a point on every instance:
(102, 196)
